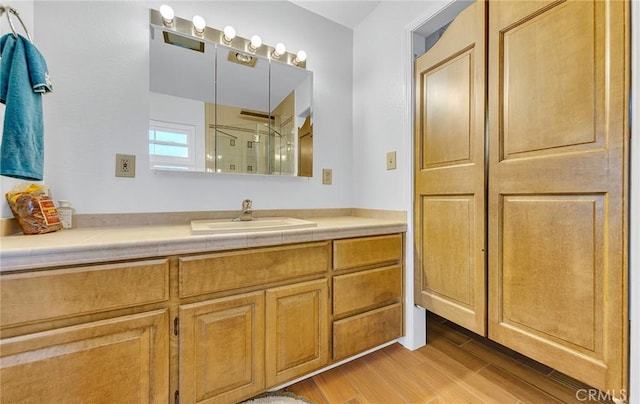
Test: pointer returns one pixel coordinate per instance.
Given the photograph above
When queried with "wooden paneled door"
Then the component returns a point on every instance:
(558, 83)
(449, 205)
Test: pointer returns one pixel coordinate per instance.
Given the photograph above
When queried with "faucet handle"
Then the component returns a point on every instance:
(246, 204)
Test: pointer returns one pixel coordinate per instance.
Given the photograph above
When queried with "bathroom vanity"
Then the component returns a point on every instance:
(156, 314)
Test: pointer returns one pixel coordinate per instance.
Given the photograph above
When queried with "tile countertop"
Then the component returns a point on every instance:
(102, 244)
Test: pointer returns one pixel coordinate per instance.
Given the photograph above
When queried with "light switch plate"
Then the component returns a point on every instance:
(327, 176)
(391, 160)
(125, 165)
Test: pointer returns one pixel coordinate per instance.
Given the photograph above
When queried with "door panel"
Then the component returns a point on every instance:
(548, 108)
(297, 330)
(558, 245)
(119, 360)
(449, 173)
(447, 234)
(557, 130)
(447, 135)
(222, 349)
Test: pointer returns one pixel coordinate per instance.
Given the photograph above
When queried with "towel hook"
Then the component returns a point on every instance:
(17, 14)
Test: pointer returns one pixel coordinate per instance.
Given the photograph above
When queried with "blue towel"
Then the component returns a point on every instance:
(23, 80)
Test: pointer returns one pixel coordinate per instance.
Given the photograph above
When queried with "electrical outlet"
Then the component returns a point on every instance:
(125, 165)
(327, 176)
(391, 160)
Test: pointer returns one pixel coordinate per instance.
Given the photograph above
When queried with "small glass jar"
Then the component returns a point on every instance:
(65, 212)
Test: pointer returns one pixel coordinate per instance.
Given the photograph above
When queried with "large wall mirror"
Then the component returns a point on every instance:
(218, 108)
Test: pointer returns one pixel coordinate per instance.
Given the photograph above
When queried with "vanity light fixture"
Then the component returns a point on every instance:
(301, 56)
(194, 34)
(255, 43)
(199, 25)
(167, 15)
(279, 51)
(228, 34)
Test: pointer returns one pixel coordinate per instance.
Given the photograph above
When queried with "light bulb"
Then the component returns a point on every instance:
(167, 15)
(229, 33)
(301, 56)
(280, 50)
(256, 42)
(199, 24)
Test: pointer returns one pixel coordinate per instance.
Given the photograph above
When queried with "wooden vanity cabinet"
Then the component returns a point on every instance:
(203, 328)
(367, 293)
(232, 348)
(94, 357)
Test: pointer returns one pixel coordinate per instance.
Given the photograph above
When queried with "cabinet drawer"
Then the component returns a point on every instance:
(353, 253)
(368, 330)
(45, 295)
(373, 287)
(233, 270)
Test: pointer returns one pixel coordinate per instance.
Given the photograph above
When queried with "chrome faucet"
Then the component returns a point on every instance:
(247, 212)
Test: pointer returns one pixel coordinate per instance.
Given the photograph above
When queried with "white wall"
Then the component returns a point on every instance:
(382, 104)
(97, 53)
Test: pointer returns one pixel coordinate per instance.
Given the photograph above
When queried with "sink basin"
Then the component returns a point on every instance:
(261, 224)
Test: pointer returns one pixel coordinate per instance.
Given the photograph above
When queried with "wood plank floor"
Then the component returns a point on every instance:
(454, 367)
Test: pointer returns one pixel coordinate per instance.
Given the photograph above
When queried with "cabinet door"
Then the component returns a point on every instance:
(121, 360)
(558, 84)
(450, 173)
(222, 349)
(297, 330)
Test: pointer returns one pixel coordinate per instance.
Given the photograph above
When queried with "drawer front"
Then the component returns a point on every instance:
(361, 290)
(45, 295)
(359, 333)
(239, 269)
(357, 252)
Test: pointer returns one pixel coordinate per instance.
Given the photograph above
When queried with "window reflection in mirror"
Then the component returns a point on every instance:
(181, 80)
